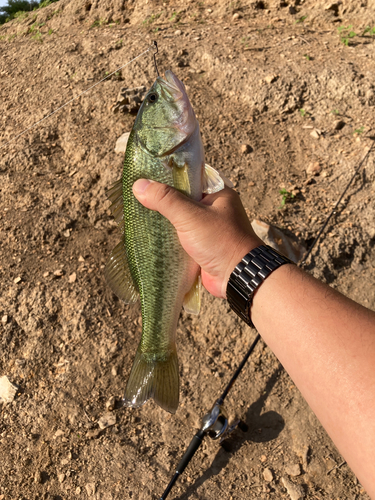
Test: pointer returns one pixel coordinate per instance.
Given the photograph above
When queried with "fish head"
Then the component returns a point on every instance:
(166, 118)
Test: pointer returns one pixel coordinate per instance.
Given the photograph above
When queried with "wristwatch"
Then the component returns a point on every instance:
(248, 275)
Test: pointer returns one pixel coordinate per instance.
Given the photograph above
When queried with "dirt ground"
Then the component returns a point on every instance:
(276, 76)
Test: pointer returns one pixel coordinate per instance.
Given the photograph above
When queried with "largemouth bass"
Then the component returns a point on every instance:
(164, 145)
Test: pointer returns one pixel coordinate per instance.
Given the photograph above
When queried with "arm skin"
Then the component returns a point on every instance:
(324, 340)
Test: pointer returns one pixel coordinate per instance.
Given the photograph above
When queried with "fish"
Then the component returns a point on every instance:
(149, 263)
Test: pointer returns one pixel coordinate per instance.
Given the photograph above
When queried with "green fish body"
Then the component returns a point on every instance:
(165, 145)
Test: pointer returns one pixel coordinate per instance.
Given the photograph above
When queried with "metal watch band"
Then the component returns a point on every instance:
(248, 275)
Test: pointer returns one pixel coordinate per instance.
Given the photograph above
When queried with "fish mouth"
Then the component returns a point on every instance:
(173, 85)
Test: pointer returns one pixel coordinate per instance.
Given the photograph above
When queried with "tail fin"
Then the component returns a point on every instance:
(156, 379)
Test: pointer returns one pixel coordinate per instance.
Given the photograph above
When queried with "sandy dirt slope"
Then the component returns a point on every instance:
(259, 74)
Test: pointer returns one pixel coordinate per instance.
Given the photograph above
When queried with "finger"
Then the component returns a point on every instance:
(174, 205)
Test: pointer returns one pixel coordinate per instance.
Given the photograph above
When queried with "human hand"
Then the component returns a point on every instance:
(215, 232)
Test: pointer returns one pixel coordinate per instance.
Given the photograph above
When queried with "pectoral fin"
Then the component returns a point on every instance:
(118, 276)
(213, 181)
(181, 178)
(192, 300)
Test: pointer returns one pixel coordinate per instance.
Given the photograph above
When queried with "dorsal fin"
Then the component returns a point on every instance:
(118, 276)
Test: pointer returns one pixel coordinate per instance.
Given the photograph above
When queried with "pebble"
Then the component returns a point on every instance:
(268, 475)
(114, 371)
(61, 477)
(90, 488)
(107, 420)
(236, 16)
(46, 274)
(58, 272)
(178, 32)
(263, 458)
(315, 134)
(4, 319)
(81, 259)
(245, 149)
(58, 433)
(295, 491)
(293, 470)
(111, 403)
(121, 143)
(17, 280)
(72, 278)
(7, 390)
(270, 78)
(313, 168)
(78, 490)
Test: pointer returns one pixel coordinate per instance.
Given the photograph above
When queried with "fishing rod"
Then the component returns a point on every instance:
(215, 423)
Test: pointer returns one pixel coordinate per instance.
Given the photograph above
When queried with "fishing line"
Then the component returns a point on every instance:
(79, 95)
(333, 211)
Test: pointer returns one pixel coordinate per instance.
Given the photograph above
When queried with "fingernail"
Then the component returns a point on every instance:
(140, 185)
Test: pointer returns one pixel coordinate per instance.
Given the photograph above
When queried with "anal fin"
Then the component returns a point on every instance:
(214, 181)
(192, 300)
(118, 276)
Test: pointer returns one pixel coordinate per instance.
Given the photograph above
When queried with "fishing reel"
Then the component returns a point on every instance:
(215, 423)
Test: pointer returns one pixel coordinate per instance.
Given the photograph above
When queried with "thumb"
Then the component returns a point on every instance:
(166, 200)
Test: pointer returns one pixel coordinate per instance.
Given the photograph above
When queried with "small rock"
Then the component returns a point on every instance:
(38, 477)
(313, 168)
(338, 125)
(268, 475)
(251, 184)
(93, 433)
(107, 420)
(270, 78)
(121, 143)
(72, 278)
(236, 16)
(61, 477)
(246, 149)
(78, 490)
(295, 491)
(58, 273)
(58, 433)
(7, 390)
(293, 470)
(114, 371)
(81, 259)
(263, 458)
(178, 32)
(67, 233)
(90, 488)
(17, 280)
(111, 403)
(64, 461)
(46, 274)
(209, 11)
(315, 134)
(334, 6)
(4, 319)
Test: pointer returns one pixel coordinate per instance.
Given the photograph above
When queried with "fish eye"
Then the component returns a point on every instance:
(152, 97)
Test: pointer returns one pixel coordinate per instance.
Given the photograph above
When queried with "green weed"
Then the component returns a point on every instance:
(307, 57)
(286, 196)
(346, 34)
(151, 19)
(359, 130)
(50, 31)
(98, 23)
(38, 37)
(335, 112)
(303, 113)
(369, 30)
(300, 20)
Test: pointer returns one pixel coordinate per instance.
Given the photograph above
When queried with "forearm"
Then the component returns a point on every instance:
(326, 342)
